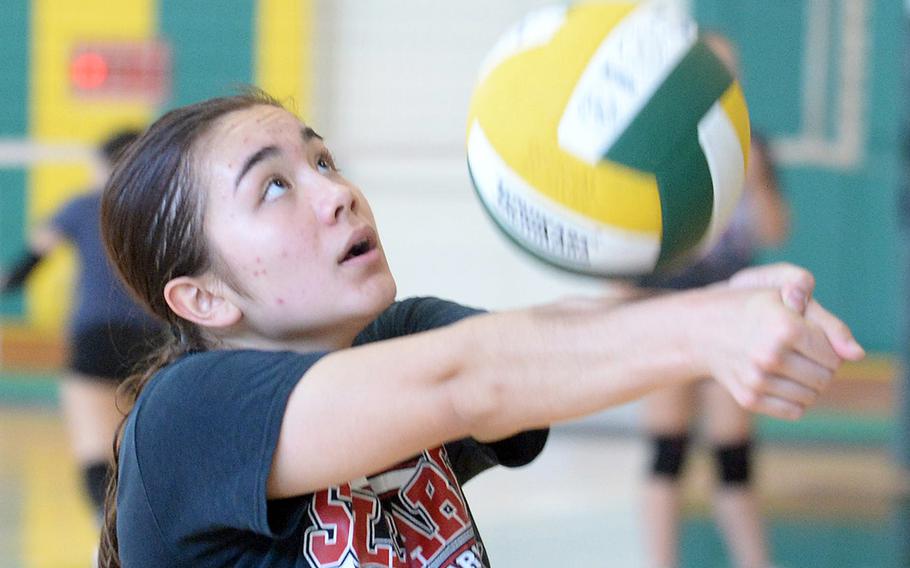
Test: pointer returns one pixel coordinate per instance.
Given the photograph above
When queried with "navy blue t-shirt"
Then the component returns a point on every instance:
(197, 451)
(101, 298)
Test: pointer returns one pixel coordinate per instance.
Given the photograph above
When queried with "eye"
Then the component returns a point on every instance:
(325, 163)
(275, 188)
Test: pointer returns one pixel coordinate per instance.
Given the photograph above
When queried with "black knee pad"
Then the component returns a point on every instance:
(734, 463)
(95, 476)
(669, 455)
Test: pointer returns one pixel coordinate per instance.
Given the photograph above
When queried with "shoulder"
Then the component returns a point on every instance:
(80, 209)
(414, 315)
(198, 446)
(83, 202)
(758, 141)
(224, 366)
(429, 312)
(217, 383)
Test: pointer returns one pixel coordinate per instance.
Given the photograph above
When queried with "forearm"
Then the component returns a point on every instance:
(40, 243)
(771, 219)
(531, 368)
(18, 273)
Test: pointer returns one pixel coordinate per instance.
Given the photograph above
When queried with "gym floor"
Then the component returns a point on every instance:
(831, 494)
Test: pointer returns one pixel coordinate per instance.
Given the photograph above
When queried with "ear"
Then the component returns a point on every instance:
(201, 301)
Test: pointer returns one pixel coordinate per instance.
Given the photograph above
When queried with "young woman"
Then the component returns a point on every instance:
(302, 417)
(761, 220)
(109, 335)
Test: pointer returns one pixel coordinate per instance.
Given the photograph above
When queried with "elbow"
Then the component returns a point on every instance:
(476, 390)
(477, 405)
(772, 231)
(773, 236)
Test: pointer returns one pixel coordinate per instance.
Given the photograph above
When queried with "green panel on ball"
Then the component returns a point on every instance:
(686, 202)
(663, 140)
(659, 128)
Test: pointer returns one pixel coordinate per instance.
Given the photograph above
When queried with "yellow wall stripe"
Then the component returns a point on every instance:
(55, 116)
(283, 51)
(59, 529)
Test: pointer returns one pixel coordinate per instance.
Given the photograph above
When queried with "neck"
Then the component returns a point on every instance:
(333, 339)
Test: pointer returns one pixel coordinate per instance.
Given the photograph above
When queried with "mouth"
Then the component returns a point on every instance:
(362, 242)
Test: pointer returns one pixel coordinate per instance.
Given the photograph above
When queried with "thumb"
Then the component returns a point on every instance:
(796, 297)
(838, 333)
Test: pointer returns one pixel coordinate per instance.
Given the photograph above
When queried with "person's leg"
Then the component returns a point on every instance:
(667, 415)
(91, 416)
(729, 430)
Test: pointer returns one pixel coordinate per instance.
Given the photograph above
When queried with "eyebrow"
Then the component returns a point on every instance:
(306, 133)
(262, 154)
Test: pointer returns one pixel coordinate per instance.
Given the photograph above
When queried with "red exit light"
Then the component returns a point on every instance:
(121, 70)
(89, 70)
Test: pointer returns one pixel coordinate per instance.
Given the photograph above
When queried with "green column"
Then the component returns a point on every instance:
(14, 27)
(212, 43)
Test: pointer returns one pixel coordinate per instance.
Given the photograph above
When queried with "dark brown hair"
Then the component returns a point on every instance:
(152, 227)
(116, 144)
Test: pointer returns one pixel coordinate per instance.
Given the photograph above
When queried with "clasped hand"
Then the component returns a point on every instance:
(774, 347)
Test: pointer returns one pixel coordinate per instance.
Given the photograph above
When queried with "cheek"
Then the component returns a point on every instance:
(294, 268)
(280, 262)
(297, 248)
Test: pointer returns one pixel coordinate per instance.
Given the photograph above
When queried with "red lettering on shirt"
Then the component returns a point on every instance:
(430, 492)
(371, 552)
(421, 519)
(329, 540)
(439, 506)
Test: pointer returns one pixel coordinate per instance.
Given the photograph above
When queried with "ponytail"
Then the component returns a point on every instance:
(180, 343)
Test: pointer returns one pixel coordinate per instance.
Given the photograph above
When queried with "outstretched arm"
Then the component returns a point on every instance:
(361, 409)
(771, 215)
(41, 242)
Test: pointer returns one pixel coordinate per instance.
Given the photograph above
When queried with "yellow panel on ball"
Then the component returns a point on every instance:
(519, 106)
(734, 104)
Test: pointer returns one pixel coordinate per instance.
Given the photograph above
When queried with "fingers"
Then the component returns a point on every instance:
(836, 332)
(795, 348)
(796, 287)
(779, 408)
(795, 297)
(818, 335)
(795, 366)
(789, 390)
(807, 373)
(777, 395)
(813, 342)
(776, 406)
(781, 275)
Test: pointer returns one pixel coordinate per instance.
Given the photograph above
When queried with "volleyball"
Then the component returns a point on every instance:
(607, 138)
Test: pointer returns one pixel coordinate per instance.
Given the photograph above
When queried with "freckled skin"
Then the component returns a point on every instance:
(299, 294)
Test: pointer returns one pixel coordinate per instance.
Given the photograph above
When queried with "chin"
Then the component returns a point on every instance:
(385, 292)
(370, 298)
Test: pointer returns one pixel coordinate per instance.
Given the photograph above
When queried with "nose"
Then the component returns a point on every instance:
(334, 200)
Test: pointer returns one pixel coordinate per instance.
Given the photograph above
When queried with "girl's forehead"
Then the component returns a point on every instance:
(238, 134)
(238, 131)
(253, 122)
(232, 141)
